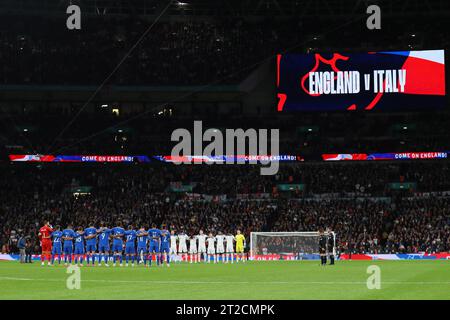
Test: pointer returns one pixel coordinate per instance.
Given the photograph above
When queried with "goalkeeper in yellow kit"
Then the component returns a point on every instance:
(240, 245)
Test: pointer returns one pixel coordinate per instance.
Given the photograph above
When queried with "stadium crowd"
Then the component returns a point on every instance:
(228, 198)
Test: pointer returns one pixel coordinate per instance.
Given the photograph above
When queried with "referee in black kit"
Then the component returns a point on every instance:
(330, 245)
(322, 247)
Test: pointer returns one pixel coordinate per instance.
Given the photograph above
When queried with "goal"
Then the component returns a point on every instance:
(285, 245)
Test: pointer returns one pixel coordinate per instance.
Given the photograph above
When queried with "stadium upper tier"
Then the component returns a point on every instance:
(221, 8)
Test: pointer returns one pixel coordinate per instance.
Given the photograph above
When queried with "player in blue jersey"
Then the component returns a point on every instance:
(90, 234)
(117, 234)
(142, 245)
(165, 245)
(79, 246)
(154, 236)
(68, 235)
(103, 244)
(130, 245)
(56, 248)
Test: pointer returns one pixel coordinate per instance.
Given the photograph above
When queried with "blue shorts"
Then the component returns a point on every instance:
(154, 247)
(165, 249)
(117, 247)
(56, 250)
(141, 249)
(130, 250)
(103, 248)
(79, 250)
(91, 248)
(68, 250)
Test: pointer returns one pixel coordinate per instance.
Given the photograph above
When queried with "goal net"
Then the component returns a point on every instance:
(286, 245)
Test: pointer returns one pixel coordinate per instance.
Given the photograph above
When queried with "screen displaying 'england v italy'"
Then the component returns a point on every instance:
(396, 80)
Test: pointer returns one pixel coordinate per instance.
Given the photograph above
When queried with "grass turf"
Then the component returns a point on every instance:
(252, 280)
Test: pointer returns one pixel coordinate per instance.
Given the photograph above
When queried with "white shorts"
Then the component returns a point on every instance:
(220, 249)
(182, 248)
(193, 250)
(230, 249)
(201, 249)
(211, 250)
(173, 250)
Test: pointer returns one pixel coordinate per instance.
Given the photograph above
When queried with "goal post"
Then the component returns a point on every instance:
(286, 245)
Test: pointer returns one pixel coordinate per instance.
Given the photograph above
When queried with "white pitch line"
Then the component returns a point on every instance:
(232, 282)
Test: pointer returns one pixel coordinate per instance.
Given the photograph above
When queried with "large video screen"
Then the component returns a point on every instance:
(396, 80)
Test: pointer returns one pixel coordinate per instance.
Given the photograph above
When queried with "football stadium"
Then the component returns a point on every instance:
(224, 150)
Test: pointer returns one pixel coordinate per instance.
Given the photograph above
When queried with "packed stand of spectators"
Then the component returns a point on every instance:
(420, 225)
(140, 195)
(43, 51)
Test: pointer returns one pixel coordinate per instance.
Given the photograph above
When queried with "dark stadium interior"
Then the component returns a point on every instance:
(200, 63)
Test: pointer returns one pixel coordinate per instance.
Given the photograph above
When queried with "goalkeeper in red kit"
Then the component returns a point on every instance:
(45, 237)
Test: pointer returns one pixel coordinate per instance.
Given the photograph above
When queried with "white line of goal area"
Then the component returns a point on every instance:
(231, 282)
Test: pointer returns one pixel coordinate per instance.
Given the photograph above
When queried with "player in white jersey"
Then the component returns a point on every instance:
(173, 246)
(193, 248)
(211, 249)
(220, 248)
(201, 245)
(230, 250)
(182, 245)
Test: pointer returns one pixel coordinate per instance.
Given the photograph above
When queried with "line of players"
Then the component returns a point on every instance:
(140, 246)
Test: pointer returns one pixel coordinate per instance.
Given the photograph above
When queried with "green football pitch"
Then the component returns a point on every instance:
(252, 280)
